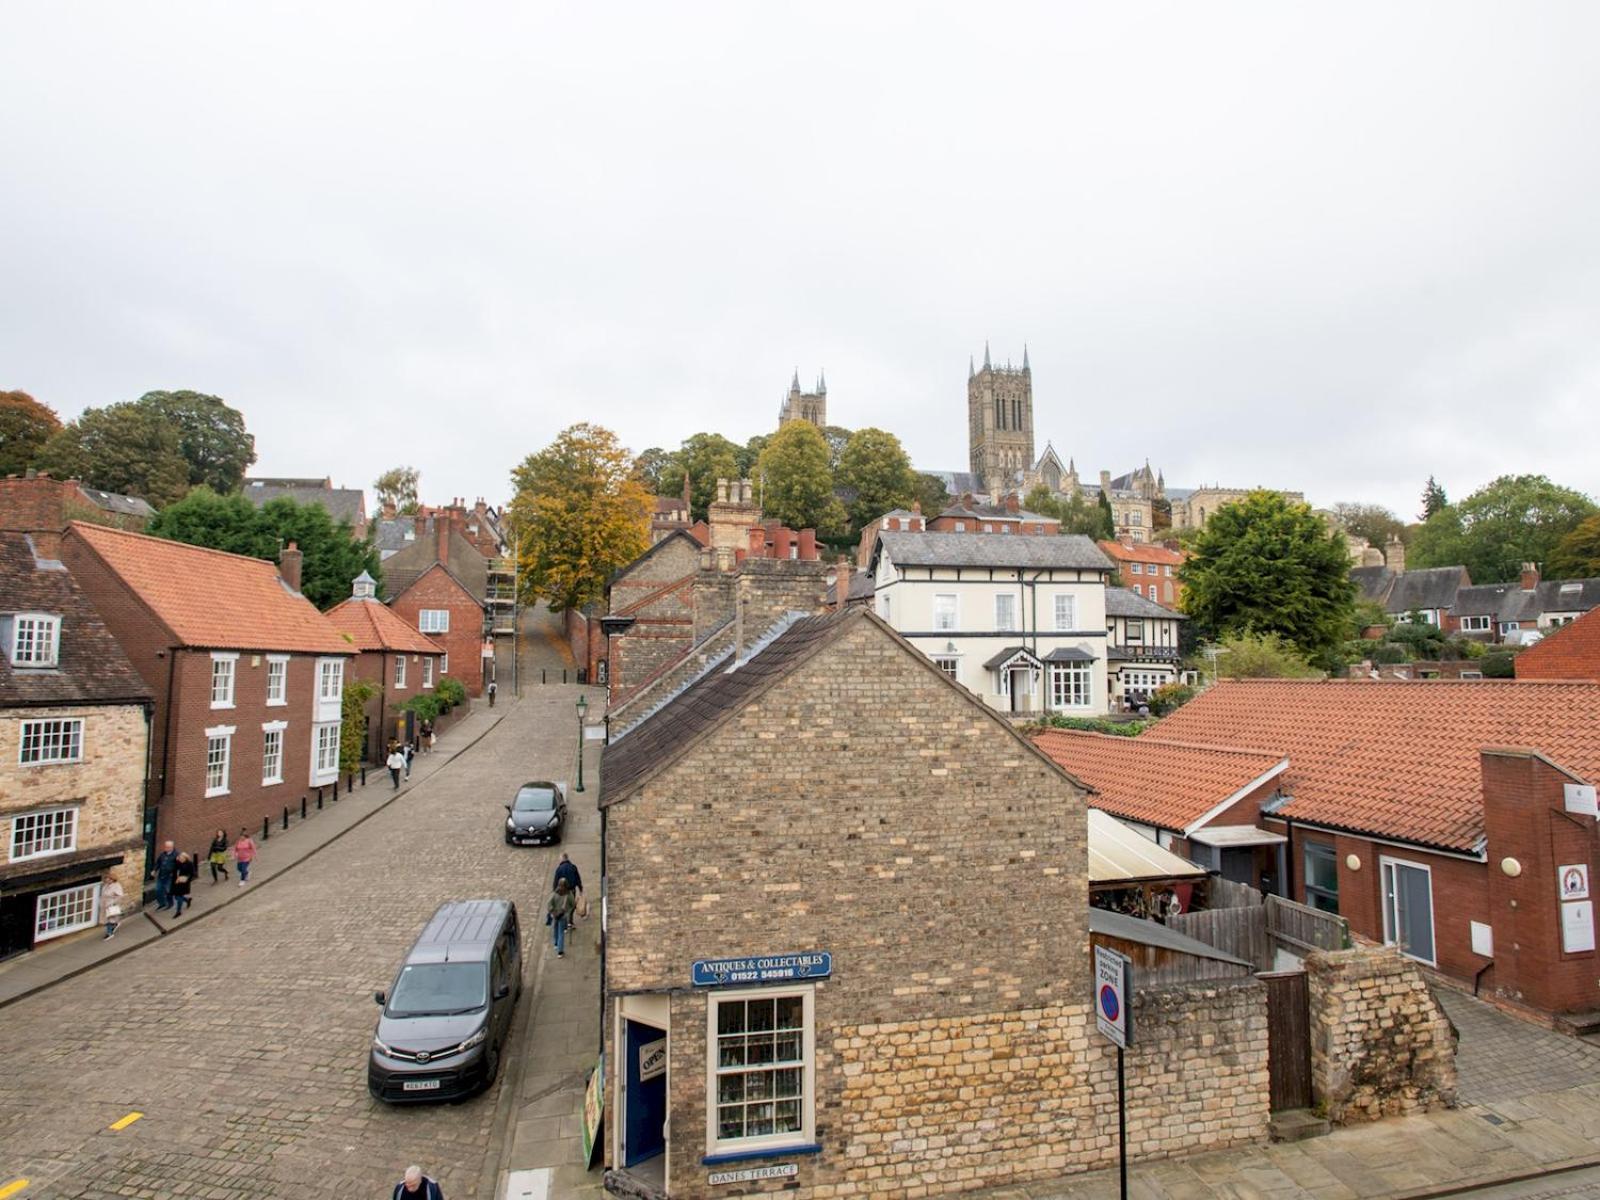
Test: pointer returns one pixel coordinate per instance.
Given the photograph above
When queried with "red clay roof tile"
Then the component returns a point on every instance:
(1571, 652)
(1395, 758)
(373, 625)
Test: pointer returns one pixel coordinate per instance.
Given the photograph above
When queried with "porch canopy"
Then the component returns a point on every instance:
(1120, 857)
(1012, 656)
(1228, 836)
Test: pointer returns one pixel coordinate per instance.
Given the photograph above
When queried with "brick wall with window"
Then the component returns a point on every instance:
(437, 593)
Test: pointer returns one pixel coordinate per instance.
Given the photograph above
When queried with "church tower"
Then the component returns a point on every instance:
(805, 406)
(1000, 421)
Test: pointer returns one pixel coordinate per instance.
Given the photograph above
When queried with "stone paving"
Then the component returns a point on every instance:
(243, 1038)
(1502, 1058)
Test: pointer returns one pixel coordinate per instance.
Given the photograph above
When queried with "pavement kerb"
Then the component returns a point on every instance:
(237, 896)
(510, 1087)
(1465, 1186)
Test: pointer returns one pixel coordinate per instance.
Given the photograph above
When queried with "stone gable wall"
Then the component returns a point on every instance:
(1381, 1046)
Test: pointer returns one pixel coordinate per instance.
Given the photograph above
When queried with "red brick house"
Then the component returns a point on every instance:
(1150, 569)
(247, 675)
(440, 587)
(1571, 652)
(391, 655)
(967, 515)
(1201, 802)
(1453, 819)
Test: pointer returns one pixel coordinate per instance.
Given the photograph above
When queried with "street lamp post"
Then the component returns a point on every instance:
(583, 707)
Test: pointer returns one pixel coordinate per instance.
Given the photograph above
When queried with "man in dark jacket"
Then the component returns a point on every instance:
(417, 1186)
(568, 870)
(166, 869)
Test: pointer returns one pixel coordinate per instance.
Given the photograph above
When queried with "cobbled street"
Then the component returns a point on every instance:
(243, 1038)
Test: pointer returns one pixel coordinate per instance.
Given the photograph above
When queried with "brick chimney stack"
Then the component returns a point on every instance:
(36, 504)
(290, 560)
(1013, 505)
(1394, 555)
(841, 584)
(1530, 576)
(442, 524)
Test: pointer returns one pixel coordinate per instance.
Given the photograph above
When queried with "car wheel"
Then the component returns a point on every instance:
(494, 1067)
(509, 842)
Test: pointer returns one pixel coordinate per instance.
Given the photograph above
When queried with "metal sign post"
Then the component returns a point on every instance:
(1113, 994)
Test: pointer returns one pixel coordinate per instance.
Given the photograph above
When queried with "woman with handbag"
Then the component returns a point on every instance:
(559, 915)
(218, 857)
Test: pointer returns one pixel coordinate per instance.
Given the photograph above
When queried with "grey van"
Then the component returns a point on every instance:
(447, 1015)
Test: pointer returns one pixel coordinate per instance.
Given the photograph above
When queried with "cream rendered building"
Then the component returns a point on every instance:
(1018, 620)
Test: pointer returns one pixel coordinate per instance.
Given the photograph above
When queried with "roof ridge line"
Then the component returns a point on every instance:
(1148, 739)
(150, 537)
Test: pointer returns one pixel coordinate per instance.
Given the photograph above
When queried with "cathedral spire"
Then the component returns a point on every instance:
(972, 371)
(794, 385)
(822, 383)
(986, 354)
(1025, 366)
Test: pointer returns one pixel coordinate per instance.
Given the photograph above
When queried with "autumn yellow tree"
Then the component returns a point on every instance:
(580, 512)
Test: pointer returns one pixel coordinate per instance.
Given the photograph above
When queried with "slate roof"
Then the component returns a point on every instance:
(343, 504)
(372, 625)
(1571, 652)
(959, 482)
(92, 668)
(991, 550)
(1394, 758)
(467, 566)
(115, 502)
(209, 598)
(1400, 593)
(390, 534)
(993, 512)
(1154, 781)
(862, 587)
(1373, 583)
(1005, 655)
(1120, 602)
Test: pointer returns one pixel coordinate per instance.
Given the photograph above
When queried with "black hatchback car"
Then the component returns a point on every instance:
(536, 814)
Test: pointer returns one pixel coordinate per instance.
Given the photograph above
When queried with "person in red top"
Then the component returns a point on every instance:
(244, 853)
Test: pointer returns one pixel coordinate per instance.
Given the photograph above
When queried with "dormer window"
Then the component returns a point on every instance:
(35, 640)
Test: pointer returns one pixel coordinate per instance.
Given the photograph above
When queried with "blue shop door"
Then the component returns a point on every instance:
(644, 1128)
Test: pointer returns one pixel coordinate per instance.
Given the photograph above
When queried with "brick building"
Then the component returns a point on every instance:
(1148, 569)
(246, 674)
(1455, 820)
(1572, 652)
(838, 982)
(392, 656)
(440, 586)
(74, 734)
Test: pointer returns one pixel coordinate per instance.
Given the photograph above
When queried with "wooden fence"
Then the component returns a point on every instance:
(1300, 929)
(1222, 893)
(1255, 931)
(1241, 932)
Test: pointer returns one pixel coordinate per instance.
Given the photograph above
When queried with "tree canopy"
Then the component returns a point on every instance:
(797, 482)
(1258, 656)
(1266, 565)
(1372, 522)
(1077, 513)
(332, 554)
(25, 426)
(1513, 520)
(581, 512)
(211, 437)
(1433, 498)
(707, 457)
(398, 486)
(128, 448)
(877, 469)
(930, 492)
(1577, 555)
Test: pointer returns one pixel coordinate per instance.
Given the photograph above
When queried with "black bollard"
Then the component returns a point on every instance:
(363, 776)
(303, 805)
(319, 801)
(286, 816)
(266, 828)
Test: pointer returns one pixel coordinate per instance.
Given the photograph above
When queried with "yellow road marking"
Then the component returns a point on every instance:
(12, 1188)
(122, 1124)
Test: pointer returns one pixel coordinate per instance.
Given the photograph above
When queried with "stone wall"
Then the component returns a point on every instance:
(1381, 1045)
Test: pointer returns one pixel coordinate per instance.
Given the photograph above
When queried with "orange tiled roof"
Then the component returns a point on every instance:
(1571, 652)
(373, 625)
(210, 598)
(1155, 781)
(1142, 552)
(1395, 758)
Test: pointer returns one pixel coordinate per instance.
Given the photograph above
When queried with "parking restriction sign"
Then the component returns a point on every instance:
(1113, 979)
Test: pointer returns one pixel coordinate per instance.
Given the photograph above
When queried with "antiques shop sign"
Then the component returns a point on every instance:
(762, 968)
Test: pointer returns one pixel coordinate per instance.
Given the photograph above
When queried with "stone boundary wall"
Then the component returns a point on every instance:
(939, 1106)
(1381, 1046)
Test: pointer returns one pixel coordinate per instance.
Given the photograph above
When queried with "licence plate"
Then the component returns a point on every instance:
(419, 1085)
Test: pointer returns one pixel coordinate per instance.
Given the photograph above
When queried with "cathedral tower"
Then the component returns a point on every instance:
(805, 406)
(1000, 419)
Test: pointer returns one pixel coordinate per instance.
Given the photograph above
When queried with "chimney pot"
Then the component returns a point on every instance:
(1530, 576)
(808, 544)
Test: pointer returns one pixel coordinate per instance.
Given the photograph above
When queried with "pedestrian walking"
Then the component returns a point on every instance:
(427, 737)
(182, 878)
(218, 858)
(417, 1186)
(559, 917)
(492, 690)
(111, 905)
(166, 867)
(244, 853)
(396, 763)
(433, 737)
(411, 752)
(567, 870)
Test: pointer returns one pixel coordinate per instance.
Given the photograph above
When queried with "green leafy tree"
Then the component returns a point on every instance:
(1077, 513)
(25, 426)
(798, 484)
(651, 464)
(1433, 498)
(127, 448)
(876, 467)
(1266, 565)
(353, 724)
(1259, 656)
(581, 513)
(398, 486)
(1373, 522)
(1515, 519)
(1577, 555)
(930, 492)
(1107, 527)
(1421, 640)
(749, 456)
(707, 457)
(332, 556)
(211, 436)
(838, 437)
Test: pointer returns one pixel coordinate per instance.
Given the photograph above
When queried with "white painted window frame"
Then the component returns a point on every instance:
(54, 815)
(268, 729)
(224, 734)
(807, 1135)
(1003, 625)
(399, 672)
(330, 668)
(1390, 934)
(37, 623)
(89, 891)
(277, 668)
(24, 728)
(224, 668)
(1071, 602)
(320, 773)
(427, 670)
(433, 620)
(954, 614)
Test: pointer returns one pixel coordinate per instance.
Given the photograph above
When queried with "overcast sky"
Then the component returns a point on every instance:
(1333, 250)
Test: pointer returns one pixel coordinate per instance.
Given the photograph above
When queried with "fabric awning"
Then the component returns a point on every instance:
(1236, 835)
(1119, 855)
(1009, 656)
